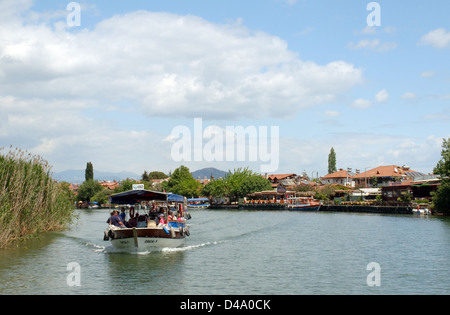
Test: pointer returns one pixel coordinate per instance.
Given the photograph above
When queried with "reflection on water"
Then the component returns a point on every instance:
(231, 252)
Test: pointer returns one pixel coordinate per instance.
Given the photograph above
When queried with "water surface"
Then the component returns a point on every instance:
(234, 252)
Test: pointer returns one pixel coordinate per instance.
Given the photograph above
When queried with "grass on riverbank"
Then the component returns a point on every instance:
(30, 200)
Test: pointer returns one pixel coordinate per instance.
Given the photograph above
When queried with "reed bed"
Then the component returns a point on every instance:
(31, 201)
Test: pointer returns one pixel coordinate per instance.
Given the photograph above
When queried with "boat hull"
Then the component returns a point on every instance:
(198, 207)
(304, 208)
(146, 244)
(146, 239)
(421, 212)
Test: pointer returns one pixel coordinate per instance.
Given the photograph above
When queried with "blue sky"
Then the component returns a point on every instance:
(112, 90)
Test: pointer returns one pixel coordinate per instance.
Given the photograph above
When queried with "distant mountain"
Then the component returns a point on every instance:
(77, 176)
(206, 172)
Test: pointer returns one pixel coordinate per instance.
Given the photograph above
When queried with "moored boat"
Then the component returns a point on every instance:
(198, 203)
(303, 204)
(150, 236)
(421, 210)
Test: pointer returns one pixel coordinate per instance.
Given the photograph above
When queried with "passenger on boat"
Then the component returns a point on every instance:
(171, 217)
(115, 219)
(132, 223)
(122, 215)
(142, 220)
(161, 220)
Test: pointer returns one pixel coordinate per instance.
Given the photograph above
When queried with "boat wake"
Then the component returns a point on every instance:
(113, 250)
(97, 248)
(190, 247)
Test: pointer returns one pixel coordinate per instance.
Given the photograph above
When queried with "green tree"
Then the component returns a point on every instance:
(326, 192)
(332, 161)
(443, 166)
(374, 182)
(303, 188)
(127, 185)
(441, 198)
(182, 183)
(157, 175)
(215, 188)
(145, 177)
(88, 189)
(102, 196)
(89, 172)
(243, 182)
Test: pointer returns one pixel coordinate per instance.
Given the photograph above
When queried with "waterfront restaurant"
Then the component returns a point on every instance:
(417, 189)
(278, 197)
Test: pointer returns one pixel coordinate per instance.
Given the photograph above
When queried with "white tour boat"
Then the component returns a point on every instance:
(148, 236)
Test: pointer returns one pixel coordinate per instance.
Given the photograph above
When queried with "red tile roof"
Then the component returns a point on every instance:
(338, 174)
(280, 176)
(385, 171)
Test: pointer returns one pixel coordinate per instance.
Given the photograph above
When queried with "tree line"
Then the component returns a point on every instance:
(236, 184)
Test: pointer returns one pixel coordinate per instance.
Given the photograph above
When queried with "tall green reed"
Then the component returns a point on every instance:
(30, 200)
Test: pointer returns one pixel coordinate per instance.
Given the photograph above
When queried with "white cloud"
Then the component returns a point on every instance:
(382, 96)
(385, 149)
(53, 78)
(438, 38)
(365, 43)
(361, 103)
(164, 64)
(409, 96)
(373, 44)
(370, 30)
(332, 113)
(427, 74)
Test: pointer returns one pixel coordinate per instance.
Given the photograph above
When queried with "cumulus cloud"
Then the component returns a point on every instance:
(168, 65)
(382, 96)
(438, 38)
(361, 103)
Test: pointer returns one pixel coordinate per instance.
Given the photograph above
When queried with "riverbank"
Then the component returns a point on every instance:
(31, 202)
(351, 208)
(368, 209)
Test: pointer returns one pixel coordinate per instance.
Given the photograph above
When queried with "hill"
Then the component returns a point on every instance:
(207, 172)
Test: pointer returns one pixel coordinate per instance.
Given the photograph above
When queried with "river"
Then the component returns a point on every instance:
(240, 252)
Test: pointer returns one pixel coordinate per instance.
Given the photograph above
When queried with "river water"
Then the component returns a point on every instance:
(237, 253)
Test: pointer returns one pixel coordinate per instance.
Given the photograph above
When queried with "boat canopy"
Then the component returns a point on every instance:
(175, 198)
(136, 196)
